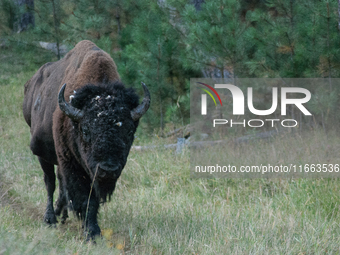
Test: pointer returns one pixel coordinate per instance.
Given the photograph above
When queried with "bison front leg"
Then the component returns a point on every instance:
(82, 197)
(89, 216)
(49, 178)
(88, 213)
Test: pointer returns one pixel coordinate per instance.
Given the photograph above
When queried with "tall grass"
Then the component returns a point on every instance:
(158, 209)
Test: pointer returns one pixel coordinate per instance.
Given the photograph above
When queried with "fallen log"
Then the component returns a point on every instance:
(63, 49)
(150, 147)
(186, 131)
(197, 144)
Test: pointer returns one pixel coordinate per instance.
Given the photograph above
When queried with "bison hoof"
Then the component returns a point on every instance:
(65, 215)
(92, 232)
(62, 211)
(50, 218)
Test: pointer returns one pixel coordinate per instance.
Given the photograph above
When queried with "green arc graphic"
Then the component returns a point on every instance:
(209, 95)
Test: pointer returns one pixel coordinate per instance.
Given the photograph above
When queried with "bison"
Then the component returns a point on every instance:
(88, 136)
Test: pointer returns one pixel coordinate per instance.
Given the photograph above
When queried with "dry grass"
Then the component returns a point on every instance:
(158, 209)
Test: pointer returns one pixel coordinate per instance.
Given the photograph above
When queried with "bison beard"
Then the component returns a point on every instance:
(89, 137)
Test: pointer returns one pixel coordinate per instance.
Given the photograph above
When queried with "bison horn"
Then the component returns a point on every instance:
(72, 112)
(138, 112)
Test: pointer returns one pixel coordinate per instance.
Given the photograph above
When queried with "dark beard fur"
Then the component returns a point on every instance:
(105, 189)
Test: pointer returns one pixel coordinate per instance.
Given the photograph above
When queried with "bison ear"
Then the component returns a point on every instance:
(141, 109)
(70, 111)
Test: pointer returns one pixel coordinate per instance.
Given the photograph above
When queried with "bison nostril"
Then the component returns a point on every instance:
(102, 174)
(109, 167)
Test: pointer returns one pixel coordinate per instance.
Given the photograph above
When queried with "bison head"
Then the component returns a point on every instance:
(104, 119)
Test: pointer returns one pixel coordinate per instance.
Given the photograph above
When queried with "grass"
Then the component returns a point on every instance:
(158, 209)
(296, 150)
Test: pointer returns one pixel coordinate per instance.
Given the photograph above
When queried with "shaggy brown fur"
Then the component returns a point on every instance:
(84, 64)
(90, 151)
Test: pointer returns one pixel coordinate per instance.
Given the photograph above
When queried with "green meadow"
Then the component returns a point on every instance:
(157, 208)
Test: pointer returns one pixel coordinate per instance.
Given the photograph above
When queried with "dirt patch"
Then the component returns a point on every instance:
(26, 209)
(14, 202)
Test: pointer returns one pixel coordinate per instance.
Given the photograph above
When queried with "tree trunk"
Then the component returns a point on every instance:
(26, 16)
(198, 3)
(118, 19)
(339, 15)
(56, 28)
(160, 89)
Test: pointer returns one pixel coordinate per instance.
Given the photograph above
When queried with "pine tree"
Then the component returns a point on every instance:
(8, 12)
(216, 36)
(153, 56)
(297, 39)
